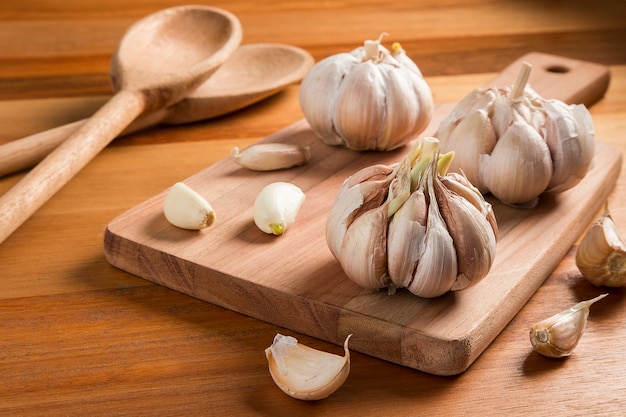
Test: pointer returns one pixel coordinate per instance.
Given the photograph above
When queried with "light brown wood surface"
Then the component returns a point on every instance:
(307, 291)
(81, 337)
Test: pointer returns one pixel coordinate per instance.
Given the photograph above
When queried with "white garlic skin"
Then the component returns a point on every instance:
(185, 208)
(276, 207)
(558, 335)
(601, 254)
(366, 104)
(306, 373)
(517, 148)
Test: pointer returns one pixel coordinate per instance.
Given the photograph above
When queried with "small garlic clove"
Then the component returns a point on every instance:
(601, 254)
(271, 156)
(276, 207)
(185, 208)
(557, 336)
(306, 373)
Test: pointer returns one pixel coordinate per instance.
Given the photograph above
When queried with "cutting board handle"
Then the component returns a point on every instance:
(565, 79)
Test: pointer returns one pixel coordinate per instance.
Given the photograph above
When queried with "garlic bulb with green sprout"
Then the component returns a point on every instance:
(412, 225)
(515, 144)
(368, 99)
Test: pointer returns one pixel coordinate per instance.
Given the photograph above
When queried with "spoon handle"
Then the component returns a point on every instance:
(26, 152)
(43, 181)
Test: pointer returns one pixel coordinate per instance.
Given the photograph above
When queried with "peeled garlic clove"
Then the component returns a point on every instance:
(557, 336)
(306, 373)
(271, 156)
(601, 255)
(185, 208)
(277, 206)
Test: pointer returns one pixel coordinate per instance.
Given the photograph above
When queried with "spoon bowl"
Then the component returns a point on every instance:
(153, 68)
(174, 51)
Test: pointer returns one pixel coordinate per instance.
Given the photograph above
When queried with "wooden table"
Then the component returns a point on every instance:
(80, 337)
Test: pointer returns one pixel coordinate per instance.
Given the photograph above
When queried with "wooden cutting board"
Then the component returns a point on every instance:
(293, 281)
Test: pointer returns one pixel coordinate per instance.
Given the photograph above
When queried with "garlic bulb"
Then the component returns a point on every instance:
(515, 144)
(277, 206)
(185, 208)
(557, 336)
(368, 99)
(601, 255)
(410, 226)
(306, 373)
(271, 156)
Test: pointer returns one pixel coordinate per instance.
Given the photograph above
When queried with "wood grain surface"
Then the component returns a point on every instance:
(80, 336)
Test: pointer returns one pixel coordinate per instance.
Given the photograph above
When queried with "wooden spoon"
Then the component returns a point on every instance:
(252, 73)
(160, 60)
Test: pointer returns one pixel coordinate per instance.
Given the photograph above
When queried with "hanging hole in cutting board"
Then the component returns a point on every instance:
(557, 69)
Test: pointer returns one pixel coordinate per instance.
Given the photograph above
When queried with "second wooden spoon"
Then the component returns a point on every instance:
(252, 73)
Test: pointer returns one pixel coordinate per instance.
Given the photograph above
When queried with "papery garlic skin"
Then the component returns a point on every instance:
(558, 335)
(367, 99)
(306, 373)
(407, 226)
(517, 147)
(276, 207)
(185, 208)
(601, 254)
(271, 156)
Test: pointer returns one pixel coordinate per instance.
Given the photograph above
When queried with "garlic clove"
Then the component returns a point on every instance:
(319, 91)
(271, 156)
(306, 373)
(459, 184)
(571, 138)
(473, 236)
(474, 136)
(406, 239)
(601, 254)
(276, 207)
(365, 189)
(519, 168)
(436, 271)
(185, 208)
(557, 336)
(365, 241)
